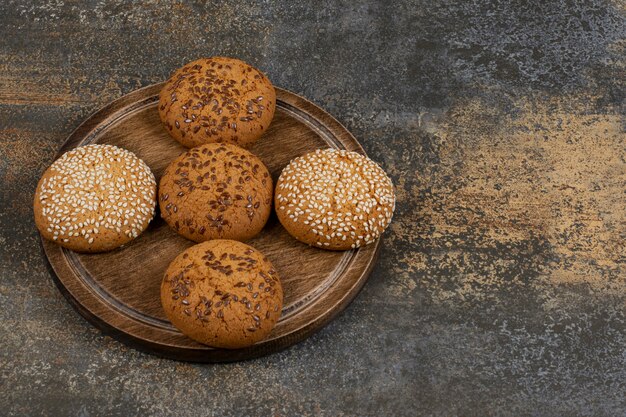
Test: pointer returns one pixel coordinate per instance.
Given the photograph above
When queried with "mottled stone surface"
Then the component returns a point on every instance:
(501, 289)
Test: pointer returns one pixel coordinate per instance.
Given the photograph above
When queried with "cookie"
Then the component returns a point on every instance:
(95, 198)
(334, 199)
(222, 293)
(216, 191)
(217, 99)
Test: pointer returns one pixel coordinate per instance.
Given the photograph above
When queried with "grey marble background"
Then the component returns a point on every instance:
(501, 287)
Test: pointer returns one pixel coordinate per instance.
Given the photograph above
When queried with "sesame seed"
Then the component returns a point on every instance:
(343, 195)
(81, 183)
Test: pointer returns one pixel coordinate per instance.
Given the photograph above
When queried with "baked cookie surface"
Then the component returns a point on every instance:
(334, 199)
(216, 191)
(217, 99)
(222, 293)
(95, 198)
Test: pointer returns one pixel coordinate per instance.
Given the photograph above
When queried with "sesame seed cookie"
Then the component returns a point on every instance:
(334, 199)
(216, 191)
(222, 293)
(95, 198)
(217, 99)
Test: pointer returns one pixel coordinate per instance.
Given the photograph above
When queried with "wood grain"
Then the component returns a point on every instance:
(118, 291)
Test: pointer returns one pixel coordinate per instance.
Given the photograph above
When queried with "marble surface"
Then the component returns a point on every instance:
(501, 287)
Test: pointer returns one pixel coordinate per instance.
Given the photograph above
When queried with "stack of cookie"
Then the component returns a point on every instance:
(220, 292)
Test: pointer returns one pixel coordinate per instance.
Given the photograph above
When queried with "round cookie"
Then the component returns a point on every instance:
(95, 198)
(217, 99)
(216, 191)
(222, 293)
(334, 199)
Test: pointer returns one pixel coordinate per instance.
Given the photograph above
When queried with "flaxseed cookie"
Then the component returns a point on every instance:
(217, 99)
(222, 293)
(216, 191)
(95, 198)
(334, 199)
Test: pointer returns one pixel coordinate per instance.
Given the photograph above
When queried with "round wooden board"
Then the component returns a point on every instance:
(119, 291)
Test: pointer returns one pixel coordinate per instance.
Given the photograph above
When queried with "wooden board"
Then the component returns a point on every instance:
(118, 291)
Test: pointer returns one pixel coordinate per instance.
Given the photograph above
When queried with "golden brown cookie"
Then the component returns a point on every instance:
(334, 199)
(217, 99)
(222, 293)
(216, 191)
(95, 198)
